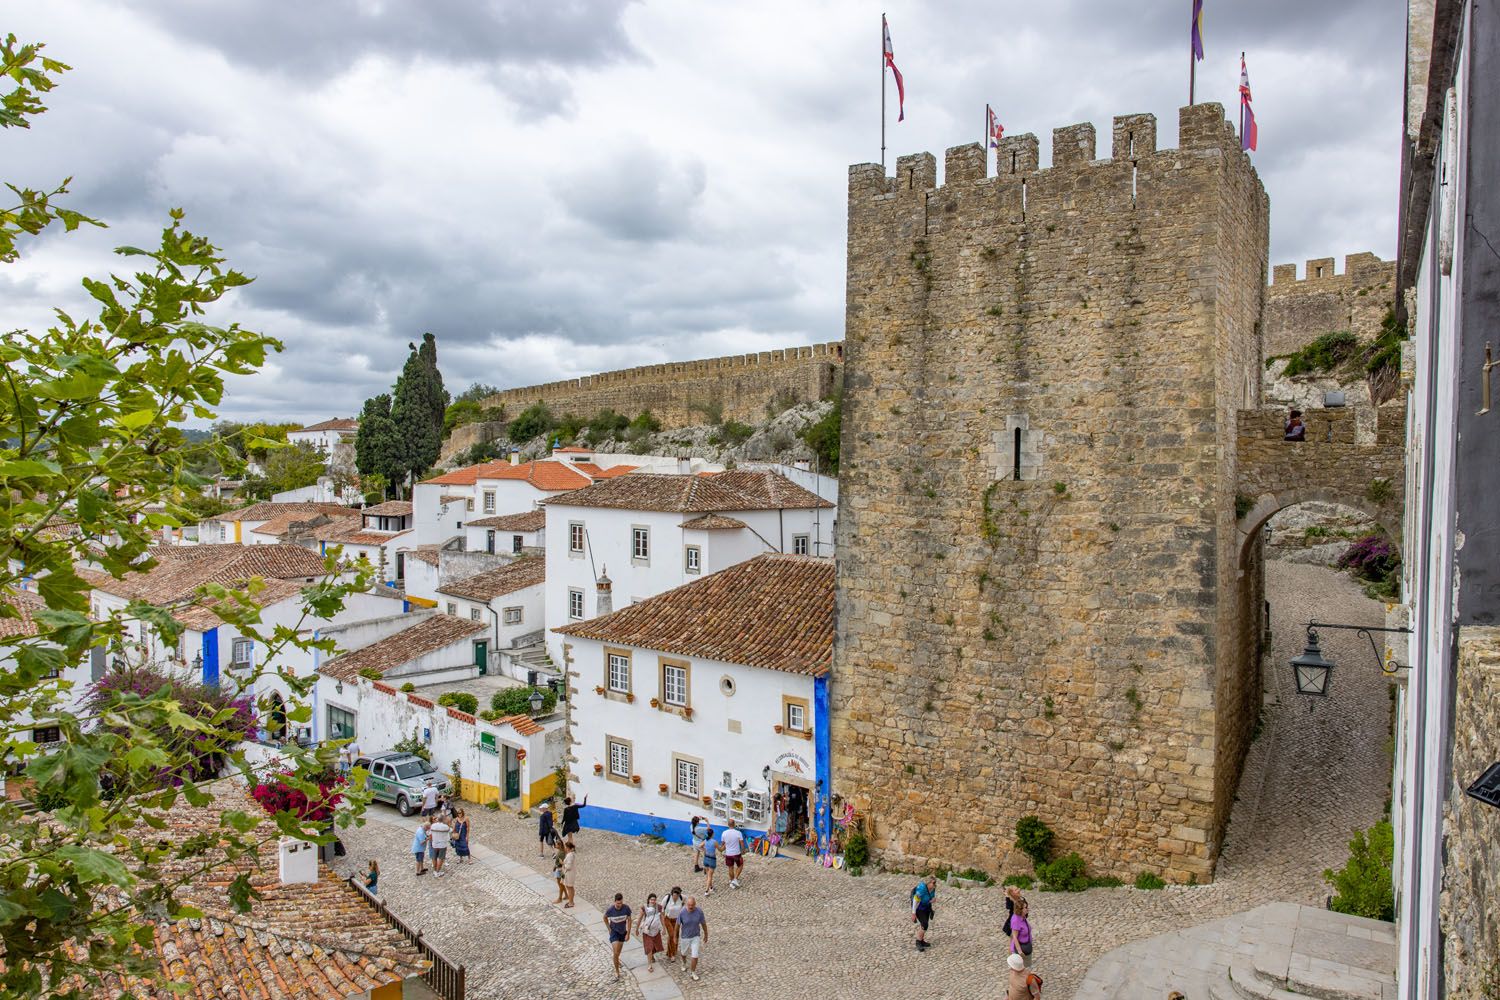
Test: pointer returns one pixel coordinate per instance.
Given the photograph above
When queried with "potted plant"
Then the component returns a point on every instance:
(662, 788)
(656, 703)
(780, 728)
(687, 712)
(635, 779)
(598, 768)
(708, 800)
(598, 688)
(630, 697)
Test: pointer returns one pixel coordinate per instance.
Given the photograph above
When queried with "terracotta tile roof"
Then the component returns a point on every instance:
(427, 636)
(336, 424)
(493, 583)
(201, 618)
(523, 724)
(572, 449)
(178, 575)
(423, 553)
(25, 604)
(268, 509)
(391, 508)
(465, 476)
(713, 522)
(320, 940)
(544, 475)
(727, 491)
(529, 520)
(774, 611)
(609, 473)
(279, 527)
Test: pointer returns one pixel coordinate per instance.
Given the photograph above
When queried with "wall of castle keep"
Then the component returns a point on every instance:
(1077, 642)
(1299, 311)
(678, 393)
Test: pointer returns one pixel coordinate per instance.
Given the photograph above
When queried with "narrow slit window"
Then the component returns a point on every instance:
(1016, 461)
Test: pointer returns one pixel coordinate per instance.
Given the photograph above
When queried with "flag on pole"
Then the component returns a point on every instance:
(1198, 30)
(996, 131)
(1248, 134)
(890, 61)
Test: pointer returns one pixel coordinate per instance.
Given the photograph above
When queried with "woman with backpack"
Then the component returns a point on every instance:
(1023, 985)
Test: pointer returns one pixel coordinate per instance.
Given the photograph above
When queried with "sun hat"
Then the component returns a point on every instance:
(1016, 962)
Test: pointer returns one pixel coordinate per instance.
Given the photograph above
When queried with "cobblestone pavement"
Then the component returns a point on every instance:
(795, 929)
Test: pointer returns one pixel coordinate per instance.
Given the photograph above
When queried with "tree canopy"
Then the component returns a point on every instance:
(377, 447)
(418, 406)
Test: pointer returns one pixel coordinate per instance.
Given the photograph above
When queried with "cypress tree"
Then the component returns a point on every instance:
(418, 408)
(378, 448)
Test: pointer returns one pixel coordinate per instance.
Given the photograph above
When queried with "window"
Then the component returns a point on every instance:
(241, 652)
(674, 683)
(575, 537)
(640, 544)
(489, 501)
(512, 616)
(517, 542)
(46, 734)
(687, 776)
(692, 558)
(619, 758)
(340, 724)
(794, 716)
(618, 668)
(473, 614)
(469, 503)
(452, 608)
(489, 542)
(799, 545)
(575, 604)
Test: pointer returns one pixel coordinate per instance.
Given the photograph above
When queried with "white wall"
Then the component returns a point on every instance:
(529, 599)
(755, 707)
(421, 579)
(322, 440)
(476, 539)
(433, 521)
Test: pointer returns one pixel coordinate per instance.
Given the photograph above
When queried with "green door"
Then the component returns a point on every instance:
(482, 656)
(512, 774)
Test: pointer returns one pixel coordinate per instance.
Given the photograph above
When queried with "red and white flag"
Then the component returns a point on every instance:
(995, 130)
(890, 61)
(1248, 132)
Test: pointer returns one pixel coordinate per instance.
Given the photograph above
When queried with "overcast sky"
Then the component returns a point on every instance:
(557, 187)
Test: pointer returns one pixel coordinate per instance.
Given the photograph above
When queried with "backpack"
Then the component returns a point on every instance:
(1032, 979)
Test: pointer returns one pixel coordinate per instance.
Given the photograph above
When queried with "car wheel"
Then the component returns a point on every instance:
(403, 806)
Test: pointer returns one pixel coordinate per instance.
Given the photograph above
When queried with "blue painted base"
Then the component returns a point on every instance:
(635, 824)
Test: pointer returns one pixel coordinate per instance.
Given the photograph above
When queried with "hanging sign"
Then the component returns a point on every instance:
(487, 744)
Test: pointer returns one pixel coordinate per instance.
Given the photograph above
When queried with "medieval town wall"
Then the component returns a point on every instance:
(1299, 310)
(1040, 609)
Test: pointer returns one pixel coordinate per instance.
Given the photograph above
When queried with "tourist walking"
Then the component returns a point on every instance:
(559, 854)
(710, 862)
(570, 814)
(419, 848)
(350, 753)
(439, 833)
(461, 836)
(569, 866)
(921, 908)
(670, 911)
(701, 832)
(734, 853)
(544, 829)
(650, 926)
(617, 919)
(693, 927)
(1020, 931)
(429, 800)
(1022, 985)
(372, 877)
(1013, 898)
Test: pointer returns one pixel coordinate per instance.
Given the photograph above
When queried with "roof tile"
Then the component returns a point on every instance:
(530, 520)
(493, 583)
(427, 636)
(727, 491)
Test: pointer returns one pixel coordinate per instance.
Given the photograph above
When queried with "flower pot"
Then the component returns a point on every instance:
(656, 703)
(708, 800)
(598, 768)
(687, 713)
(635, 779)
(630, 698)
(780, 729)
(599, 689)
(662, 788)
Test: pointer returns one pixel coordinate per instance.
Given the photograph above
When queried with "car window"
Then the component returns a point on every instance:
(412, 769)
(382, 771)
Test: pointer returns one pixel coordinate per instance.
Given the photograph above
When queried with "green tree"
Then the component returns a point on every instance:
(377, 445)
(289, 468)
(417, 407)
(822, 436)
(89, 444)
(531, 422)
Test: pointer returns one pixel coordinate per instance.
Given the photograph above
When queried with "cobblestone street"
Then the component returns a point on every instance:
(794, 929)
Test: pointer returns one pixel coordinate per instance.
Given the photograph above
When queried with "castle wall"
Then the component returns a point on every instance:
(1300, 311)
(678, 393)
(1066, 642)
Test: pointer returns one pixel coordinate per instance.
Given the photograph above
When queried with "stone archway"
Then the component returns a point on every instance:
(1268, 505)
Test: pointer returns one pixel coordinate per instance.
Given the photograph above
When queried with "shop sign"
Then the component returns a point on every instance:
(791, 763)
(487, 744)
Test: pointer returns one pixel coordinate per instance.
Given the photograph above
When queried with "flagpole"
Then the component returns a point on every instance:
(1242, 102)
(882, 91)
(1192, 63)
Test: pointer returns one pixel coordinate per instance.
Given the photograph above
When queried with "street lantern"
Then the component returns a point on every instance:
(537, 701)
(1311, 671)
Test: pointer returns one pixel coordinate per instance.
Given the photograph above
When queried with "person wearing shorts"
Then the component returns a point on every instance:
(429, 800)
(439, 832)
(419, 848)
(617, 919)
(692, 926)
(921, 908)
(710, 862)
(734, 853)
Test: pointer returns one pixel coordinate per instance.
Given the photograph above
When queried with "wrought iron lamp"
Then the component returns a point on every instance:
(1313, 672)
(537, 701)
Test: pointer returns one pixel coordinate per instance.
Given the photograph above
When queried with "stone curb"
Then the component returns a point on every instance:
(656, 985)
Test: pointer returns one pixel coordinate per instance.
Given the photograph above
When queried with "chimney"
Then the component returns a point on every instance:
(604, 601)
(802, 465)
(299, 861)
(684, 465)
(515, 455)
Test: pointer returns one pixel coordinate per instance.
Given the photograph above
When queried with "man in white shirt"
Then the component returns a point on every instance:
(734, 853)
(438, 834)
(429, 799)
(351, 753)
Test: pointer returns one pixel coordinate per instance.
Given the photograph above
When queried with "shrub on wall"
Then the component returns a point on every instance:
(461, 700)
(1363, 886)
(517, 701)
(1034, 838)
(413, 745)
(1067, 874)
(278, 795)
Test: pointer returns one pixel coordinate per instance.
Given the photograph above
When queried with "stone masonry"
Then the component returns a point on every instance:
(1041, 601)
(1471, 846)
(682, 393)
(1298, 312)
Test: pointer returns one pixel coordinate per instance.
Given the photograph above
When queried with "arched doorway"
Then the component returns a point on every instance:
(276, 725)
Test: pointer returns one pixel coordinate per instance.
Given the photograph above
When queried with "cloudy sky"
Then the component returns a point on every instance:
(557, 187)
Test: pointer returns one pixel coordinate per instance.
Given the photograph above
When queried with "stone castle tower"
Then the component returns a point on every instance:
(1041, 605)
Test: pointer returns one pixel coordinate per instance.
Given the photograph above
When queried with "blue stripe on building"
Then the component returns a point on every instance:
(211, 656)
(678, 831)
(822, 754)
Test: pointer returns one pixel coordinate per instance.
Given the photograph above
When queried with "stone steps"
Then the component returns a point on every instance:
(1281, 951)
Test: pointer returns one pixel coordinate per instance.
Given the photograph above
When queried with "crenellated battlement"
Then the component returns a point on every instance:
(1359, 269)
(1324, 300)
(1202, 129)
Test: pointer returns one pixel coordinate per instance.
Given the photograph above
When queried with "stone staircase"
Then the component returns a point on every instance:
(1280, 951)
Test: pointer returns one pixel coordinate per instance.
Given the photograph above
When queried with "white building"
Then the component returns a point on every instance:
(327, 435)
(519, 534)
(69, 685)
(382, 532)
(509, 601)
(623, 540)
(709, 699)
